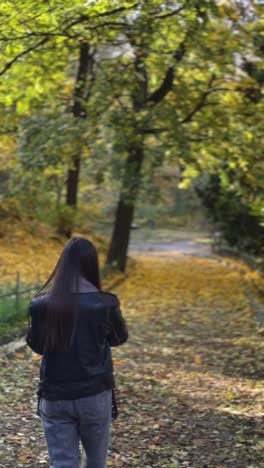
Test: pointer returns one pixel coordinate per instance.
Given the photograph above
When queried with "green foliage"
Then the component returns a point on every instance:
(240, 224)
(212, 110)
(65, 218)
(88, 215)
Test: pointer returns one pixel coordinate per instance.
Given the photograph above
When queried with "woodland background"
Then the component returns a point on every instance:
(139, 124)
(120, 111)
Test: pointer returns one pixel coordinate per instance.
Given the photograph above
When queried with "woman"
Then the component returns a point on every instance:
(72, 325)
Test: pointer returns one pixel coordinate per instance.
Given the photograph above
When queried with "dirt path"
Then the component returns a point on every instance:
(179, 248)
(189, 378)
(186, 243)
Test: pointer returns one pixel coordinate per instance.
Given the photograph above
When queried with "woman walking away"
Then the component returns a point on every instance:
(73, 324)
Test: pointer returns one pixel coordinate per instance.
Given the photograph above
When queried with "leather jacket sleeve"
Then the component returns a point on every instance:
(34, 334)
(118, 333)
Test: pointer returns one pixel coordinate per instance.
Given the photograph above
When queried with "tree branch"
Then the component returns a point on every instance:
(78, 108)
(200, 139)
(32, 34)
(84, 18)
(171, 13)
(118, 10)
(167, 83)
(21, 54)
(196, 109)
(108, 23)
(91, 76)
(65, 32)
(79, 20)
(154, 131)
(202, 102)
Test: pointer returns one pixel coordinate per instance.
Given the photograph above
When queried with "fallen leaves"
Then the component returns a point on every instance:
(189, 380)
(24, 251)
(198, 360)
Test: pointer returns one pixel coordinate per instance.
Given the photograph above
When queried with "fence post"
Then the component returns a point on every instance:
(17, 292)
(38, 280)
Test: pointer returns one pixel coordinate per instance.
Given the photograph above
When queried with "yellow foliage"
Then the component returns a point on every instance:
(32, 255)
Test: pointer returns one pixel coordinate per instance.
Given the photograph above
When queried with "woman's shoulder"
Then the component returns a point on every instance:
(109, 296)
(37, 302)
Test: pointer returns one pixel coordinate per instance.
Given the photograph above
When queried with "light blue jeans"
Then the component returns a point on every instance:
(67, 422)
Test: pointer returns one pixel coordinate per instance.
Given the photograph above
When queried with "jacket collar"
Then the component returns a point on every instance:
(86, 286)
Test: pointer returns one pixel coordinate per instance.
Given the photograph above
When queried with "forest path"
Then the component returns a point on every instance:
(189, 377)
(178, 248)
(177, 243)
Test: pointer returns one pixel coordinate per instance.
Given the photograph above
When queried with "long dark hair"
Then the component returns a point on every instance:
(78, 259)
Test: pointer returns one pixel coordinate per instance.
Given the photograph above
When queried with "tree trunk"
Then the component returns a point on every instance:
(132, 179)
(72, 182)
(117, 254)
(79, 111)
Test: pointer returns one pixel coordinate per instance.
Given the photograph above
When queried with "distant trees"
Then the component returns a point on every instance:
(50, 55)
(233, 194)
(126, 86)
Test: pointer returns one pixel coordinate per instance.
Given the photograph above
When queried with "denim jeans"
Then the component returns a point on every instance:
(67, 422)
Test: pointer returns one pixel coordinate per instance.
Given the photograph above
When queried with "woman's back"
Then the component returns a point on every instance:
(73, 324)
(86, 367)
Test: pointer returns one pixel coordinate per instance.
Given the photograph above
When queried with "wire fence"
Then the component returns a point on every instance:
(14, 301)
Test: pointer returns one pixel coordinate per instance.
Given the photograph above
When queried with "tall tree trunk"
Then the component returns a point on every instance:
(132, 179)
(72, 182)
(79, 111)
(117, 254)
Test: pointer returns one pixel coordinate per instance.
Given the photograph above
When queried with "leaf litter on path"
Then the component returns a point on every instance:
(189, 379)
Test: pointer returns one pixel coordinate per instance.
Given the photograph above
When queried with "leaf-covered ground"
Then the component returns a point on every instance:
(22, 250)
(189, 378)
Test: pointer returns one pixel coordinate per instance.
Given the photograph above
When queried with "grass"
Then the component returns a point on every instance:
(12, 322)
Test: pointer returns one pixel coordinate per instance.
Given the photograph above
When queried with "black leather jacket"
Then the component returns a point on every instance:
(86, 368)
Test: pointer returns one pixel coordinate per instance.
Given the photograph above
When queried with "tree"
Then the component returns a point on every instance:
(233, 192)
(140, 75)
(165, 43)
(48, 48)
